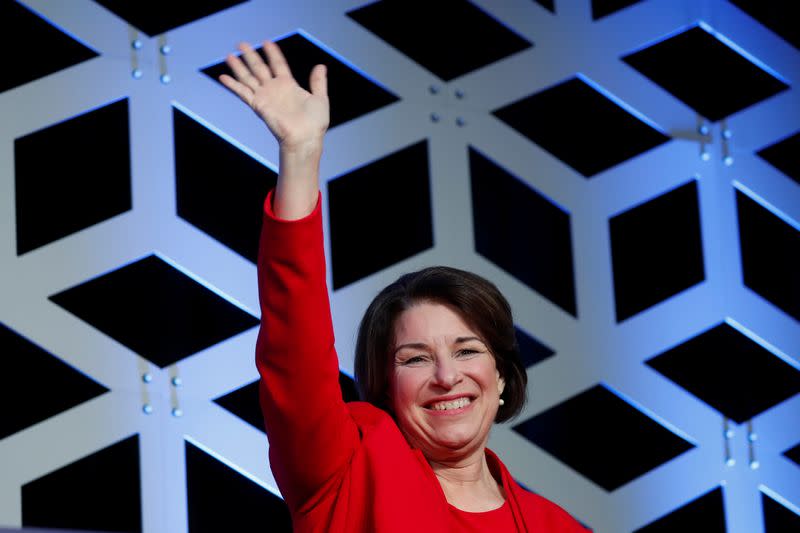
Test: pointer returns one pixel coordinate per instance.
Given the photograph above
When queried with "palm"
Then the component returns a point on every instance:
(294, 116)
(291, 113)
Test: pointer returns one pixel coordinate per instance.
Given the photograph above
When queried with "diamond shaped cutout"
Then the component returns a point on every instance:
(530, 349)
(93, 150)
(777, 16)
(447, 37)
(706, 513)
(351, 93)
(608, 134)
(230, 213)
(155, 310)
(36, 370)
(360, 249)
(640, 444)
(155, 18)
(777, 517)
(244, 401)
(221, 499)
(522, 232)
(656, 250)
(770, 251)
(783, 156)
(705, 73)
(730, 372)
(100, 492)
(793, 454)
(52, 49)
(603, 8)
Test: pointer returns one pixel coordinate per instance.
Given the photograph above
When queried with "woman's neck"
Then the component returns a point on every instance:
(468, 483)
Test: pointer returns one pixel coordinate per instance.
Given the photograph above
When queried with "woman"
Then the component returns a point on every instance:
(435, 358)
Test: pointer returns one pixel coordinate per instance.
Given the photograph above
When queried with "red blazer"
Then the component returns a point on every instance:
(343, 467)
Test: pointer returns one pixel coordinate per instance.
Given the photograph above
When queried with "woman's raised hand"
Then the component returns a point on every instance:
(297, 118)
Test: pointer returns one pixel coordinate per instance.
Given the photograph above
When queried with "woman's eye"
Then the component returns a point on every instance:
(467, 352)
(413, 360)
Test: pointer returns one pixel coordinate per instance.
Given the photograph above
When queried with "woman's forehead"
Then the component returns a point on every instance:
(428, 321)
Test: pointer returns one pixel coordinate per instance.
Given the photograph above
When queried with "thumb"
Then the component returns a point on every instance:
(318, 81)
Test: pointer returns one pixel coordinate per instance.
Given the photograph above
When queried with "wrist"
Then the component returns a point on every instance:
(298, 180)
(293, 201)
(310, 150)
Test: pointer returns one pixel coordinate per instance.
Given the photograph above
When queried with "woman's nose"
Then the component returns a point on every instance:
(446, 373)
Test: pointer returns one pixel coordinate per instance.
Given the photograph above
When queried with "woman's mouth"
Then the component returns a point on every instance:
(449, 405)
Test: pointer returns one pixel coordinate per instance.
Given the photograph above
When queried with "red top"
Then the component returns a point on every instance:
(501, 519)
(345, 467)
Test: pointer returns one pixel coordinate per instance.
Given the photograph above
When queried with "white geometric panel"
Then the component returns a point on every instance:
(172, 409)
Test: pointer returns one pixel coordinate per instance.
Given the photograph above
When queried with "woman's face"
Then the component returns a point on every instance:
(444, 385)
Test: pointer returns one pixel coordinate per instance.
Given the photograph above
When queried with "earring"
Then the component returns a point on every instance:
(502, 401)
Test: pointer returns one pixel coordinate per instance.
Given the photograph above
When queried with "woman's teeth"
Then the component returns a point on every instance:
(454, 404)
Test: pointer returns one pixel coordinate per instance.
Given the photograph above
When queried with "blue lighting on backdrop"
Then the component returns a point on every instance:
(232, 140)
(777, 476)
(621, 103)
(766, 205)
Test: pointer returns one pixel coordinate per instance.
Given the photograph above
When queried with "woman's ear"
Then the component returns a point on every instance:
(501, 383)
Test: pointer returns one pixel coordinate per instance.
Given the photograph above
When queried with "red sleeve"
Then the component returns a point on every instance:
(311, 434)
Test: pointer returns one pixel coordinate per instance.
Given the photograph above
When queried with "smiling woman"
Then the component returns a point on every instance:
(444, 387)
(467, 295)
(444, 390)
(437, 363)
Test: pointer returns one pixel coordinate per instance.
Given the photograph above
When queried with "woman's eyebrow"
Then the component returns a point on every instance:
(461, 340)
(423, 346)
(414, 345)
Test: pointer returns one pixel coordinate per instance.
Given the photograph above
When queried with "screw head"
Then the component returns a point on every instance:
(730, 461)
(435, 117)
(460, 122)
(459, 94)
(705, 156)
(754, 465)
(177, 381)
(147, 377)
(136, 73)
(728, 160)
(433, 89)
(136, 44)
(177, 412)
(165, 49)
(729, 433)
(165, 78)
(147, 409)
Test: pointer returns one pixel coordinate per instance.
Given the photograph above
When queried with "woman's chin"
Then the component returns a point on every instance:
(445, 436)
(454, 440)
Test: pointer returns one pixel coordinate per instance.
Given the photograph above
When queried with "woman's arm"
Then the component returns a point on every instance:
(310, 432)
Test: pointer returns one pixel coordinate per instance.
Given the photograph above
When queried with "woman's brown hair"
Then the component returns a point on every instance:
(479, 303)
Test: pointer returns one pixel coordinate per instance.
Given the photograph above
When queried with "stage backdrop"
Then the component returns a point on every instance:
(625, 171)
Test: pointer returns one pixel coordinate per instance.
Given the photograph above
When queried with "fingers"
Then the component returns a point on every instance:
(250, 71)
(318, 81)
(242, 72)
(276, 60)
(239, 89)
(255, 63)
